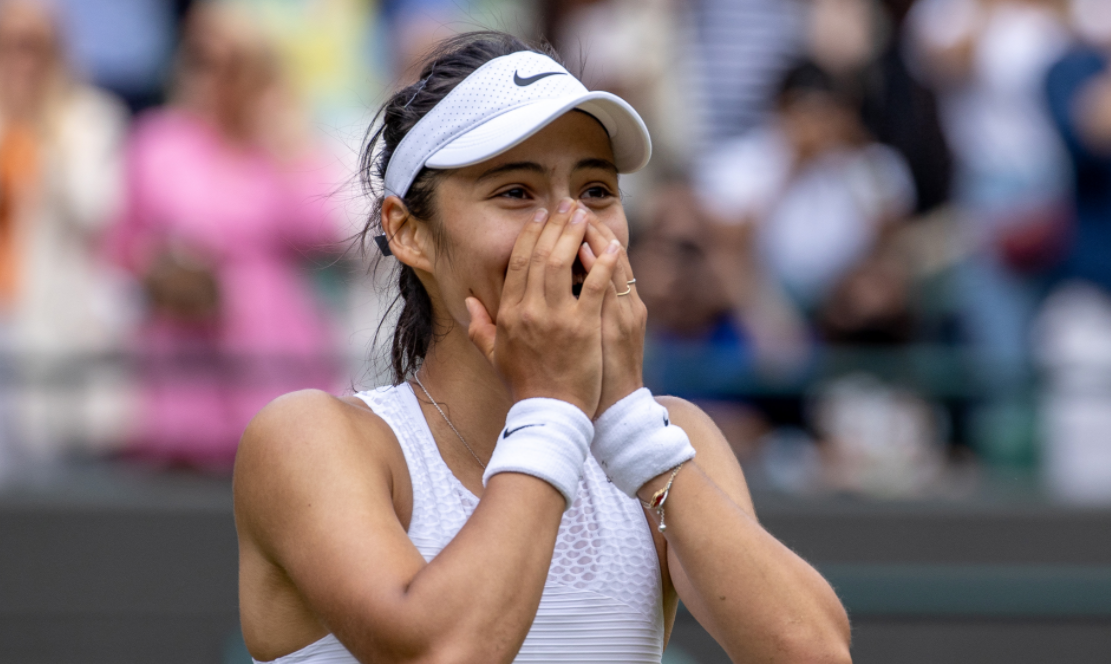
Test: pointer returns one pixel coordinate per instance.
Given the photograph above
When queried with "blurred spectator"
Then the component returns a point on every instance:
(673, 257)
(862, 44)
(678, 263)
(60, 145)
(987, 59)
(1074, 326)
(816, 192)
(226, 198)
(1079, 90)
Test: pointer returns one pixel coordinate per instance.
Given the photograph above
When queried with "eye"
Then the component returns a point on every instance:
(597, 191)
(514, 192)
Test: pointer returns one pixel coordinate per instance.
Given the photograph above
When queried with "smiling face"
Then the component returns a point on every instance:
(481, 209)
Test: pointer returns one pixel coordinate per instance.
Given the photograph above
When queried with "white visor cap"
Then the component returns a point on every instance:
(501, 104)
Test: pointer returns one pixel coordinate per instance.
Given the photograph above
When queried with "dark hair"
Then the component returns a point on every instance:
(807, 77)
(452, 61)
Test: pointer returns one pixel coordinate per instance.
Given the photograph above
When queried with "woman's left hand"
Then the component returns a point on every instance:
(624, 318)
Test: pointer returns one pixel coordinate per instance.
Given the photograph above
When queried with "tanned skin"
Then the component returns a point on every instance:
(322, 493)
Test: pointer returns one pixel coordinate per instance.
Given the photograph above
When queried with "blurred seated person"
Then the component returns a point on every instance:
(226, 198)
(680, 267)
(1079, 94)
(988, 60)
(808, 194)
(60, 305)
(673, 257)
(863, 45)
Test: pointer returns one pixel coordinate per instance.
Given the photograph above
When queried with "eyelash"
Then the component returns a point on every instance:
(521, 192)
(605, 192)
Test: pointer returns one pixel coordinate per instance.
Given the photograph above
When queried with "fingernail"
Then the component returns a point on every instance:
(565, 206)
(540, 215)
(613, 247)
(579, 216)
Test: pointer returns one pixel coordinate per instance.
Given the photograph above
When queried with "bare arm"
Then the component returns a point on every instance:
(756, 597)
(314, 495)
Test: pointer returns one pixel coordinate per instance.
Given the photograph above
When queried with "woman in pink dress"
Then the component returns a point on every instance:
(223, 210)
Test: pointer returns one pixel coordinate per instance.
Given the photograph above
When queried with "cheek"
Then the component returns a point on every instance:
(619, 226)
(480, 265)
(485, 275)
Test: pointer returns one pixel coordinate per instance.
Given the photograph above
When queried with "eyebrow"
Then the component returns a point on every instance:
(532, 166)
(603, 164)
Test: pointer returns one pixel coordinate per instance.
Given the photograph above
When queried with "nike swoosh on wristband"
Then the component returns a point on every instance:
(507, 433)
(532, 79)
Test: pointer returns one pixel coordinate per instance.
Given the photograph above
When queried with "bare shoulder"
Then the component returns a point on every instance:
(307, 427)
(320, 487)
(714, 456)
(306, 445)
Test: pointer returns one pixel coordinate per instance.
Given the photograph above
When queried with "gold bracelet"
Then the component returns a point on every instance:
(660, 497)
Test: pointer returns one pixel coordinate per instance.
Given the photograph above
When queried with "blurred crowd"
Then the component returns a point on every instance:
(873, 238)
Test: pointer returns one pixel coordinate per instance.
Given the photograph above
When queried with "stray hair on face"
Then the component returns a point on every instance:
(444, 68)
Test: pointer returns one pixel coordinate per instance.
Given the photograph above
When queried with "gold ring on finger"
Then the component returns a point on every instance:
(626, 291)
(631, 282)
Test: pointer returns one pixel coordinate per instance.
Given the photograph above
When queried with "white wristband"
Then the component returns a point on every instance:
(634, 441)
(545, 438)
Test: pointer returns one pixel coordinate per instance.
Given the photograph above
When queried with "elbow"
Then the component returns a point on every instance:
(833, 651)
(830, 645)
(469, 651)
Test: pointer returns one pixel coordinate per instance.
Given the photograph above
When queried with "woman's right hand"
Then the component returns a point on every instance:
(545, 342)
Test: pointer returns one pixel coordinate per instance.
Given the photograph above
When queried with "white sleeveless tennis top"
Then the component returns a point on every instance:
(603, 598)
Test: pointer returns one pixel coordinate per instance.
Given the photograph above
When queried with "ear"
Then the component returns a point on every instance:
(410, 241)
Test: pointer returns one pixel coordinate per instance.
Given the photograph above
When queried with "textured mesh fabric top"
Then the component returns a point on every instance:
(602, 600)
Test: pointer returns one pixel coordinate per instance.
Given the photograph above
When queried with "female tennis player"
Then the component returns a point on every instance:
(517, 495)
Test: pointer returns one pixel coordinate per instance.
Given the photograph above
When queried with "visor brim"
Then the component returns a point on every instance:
(632, 146)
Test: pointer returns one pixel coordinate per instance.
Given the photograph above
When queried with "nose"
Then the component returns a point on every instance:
(557, 191)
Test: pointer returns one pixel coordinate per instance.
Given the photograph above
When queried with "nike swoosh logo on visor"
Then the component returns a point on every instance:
(510, 432)
(532, 79)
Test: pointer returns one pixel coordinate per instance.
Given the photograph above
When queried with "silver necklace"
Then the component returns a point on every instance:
(441, 412)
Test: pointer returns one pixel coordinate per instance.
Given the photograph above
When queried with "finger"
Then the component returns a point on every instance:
(586, 256)
(516, 277)
(482, 330)
(557, 282)
(624, 270)
(545, 245)
(599, 280)
(599, 236)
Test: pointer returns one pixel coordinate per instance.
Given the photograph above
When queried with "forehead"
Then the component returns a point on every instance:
(568, 139)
